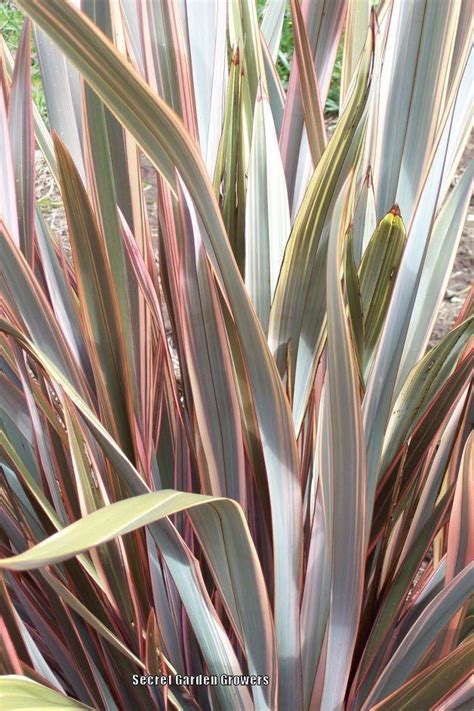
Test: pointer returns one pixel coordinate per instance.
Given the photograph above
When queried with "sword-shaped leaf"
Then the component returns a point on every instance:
(20, 123)
(272, 25)
(267, 218)
(298, 309)
(98, 299)
(346, 516)
(309, 89)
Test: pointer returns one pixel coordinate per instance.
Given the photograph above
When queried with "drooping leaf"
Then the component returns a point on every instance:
(129, 514)
(19, 692)
(216, 647)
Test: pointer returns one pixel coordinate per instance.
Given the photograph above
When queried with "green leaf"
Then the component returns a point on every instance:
(42, 134)
(19, 692)
(276, 93)
(30, 302)
(316, 601)
(460, 699)
(8, 208)
(171, 65)
(208, 19)
(461, 129)
(60, 293)
(244, 33)
(104, 146)
(433, 483)
(358, 15)
(75, 604)
(229, 174)
(377, 274)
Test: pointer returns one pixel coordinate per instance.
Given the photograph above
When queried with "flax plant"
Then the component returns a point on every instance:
(227, 448)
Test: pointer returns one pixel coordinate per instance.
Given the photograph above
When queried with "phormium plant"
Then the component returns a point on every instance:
(228, 458)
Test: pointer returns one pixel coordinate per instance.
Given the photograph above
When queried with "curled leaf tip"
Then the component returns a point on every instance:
(395, 210)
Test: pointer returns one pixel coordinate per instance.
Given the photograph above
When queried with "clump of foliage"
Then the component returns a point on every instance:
(225, 448)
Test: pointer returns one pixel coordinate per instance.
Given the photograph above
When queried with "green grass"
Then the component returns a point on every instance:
(11, 22)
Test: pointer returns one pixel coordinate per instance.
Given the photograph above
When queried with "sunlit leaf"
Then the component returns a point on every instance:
(19, 692)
